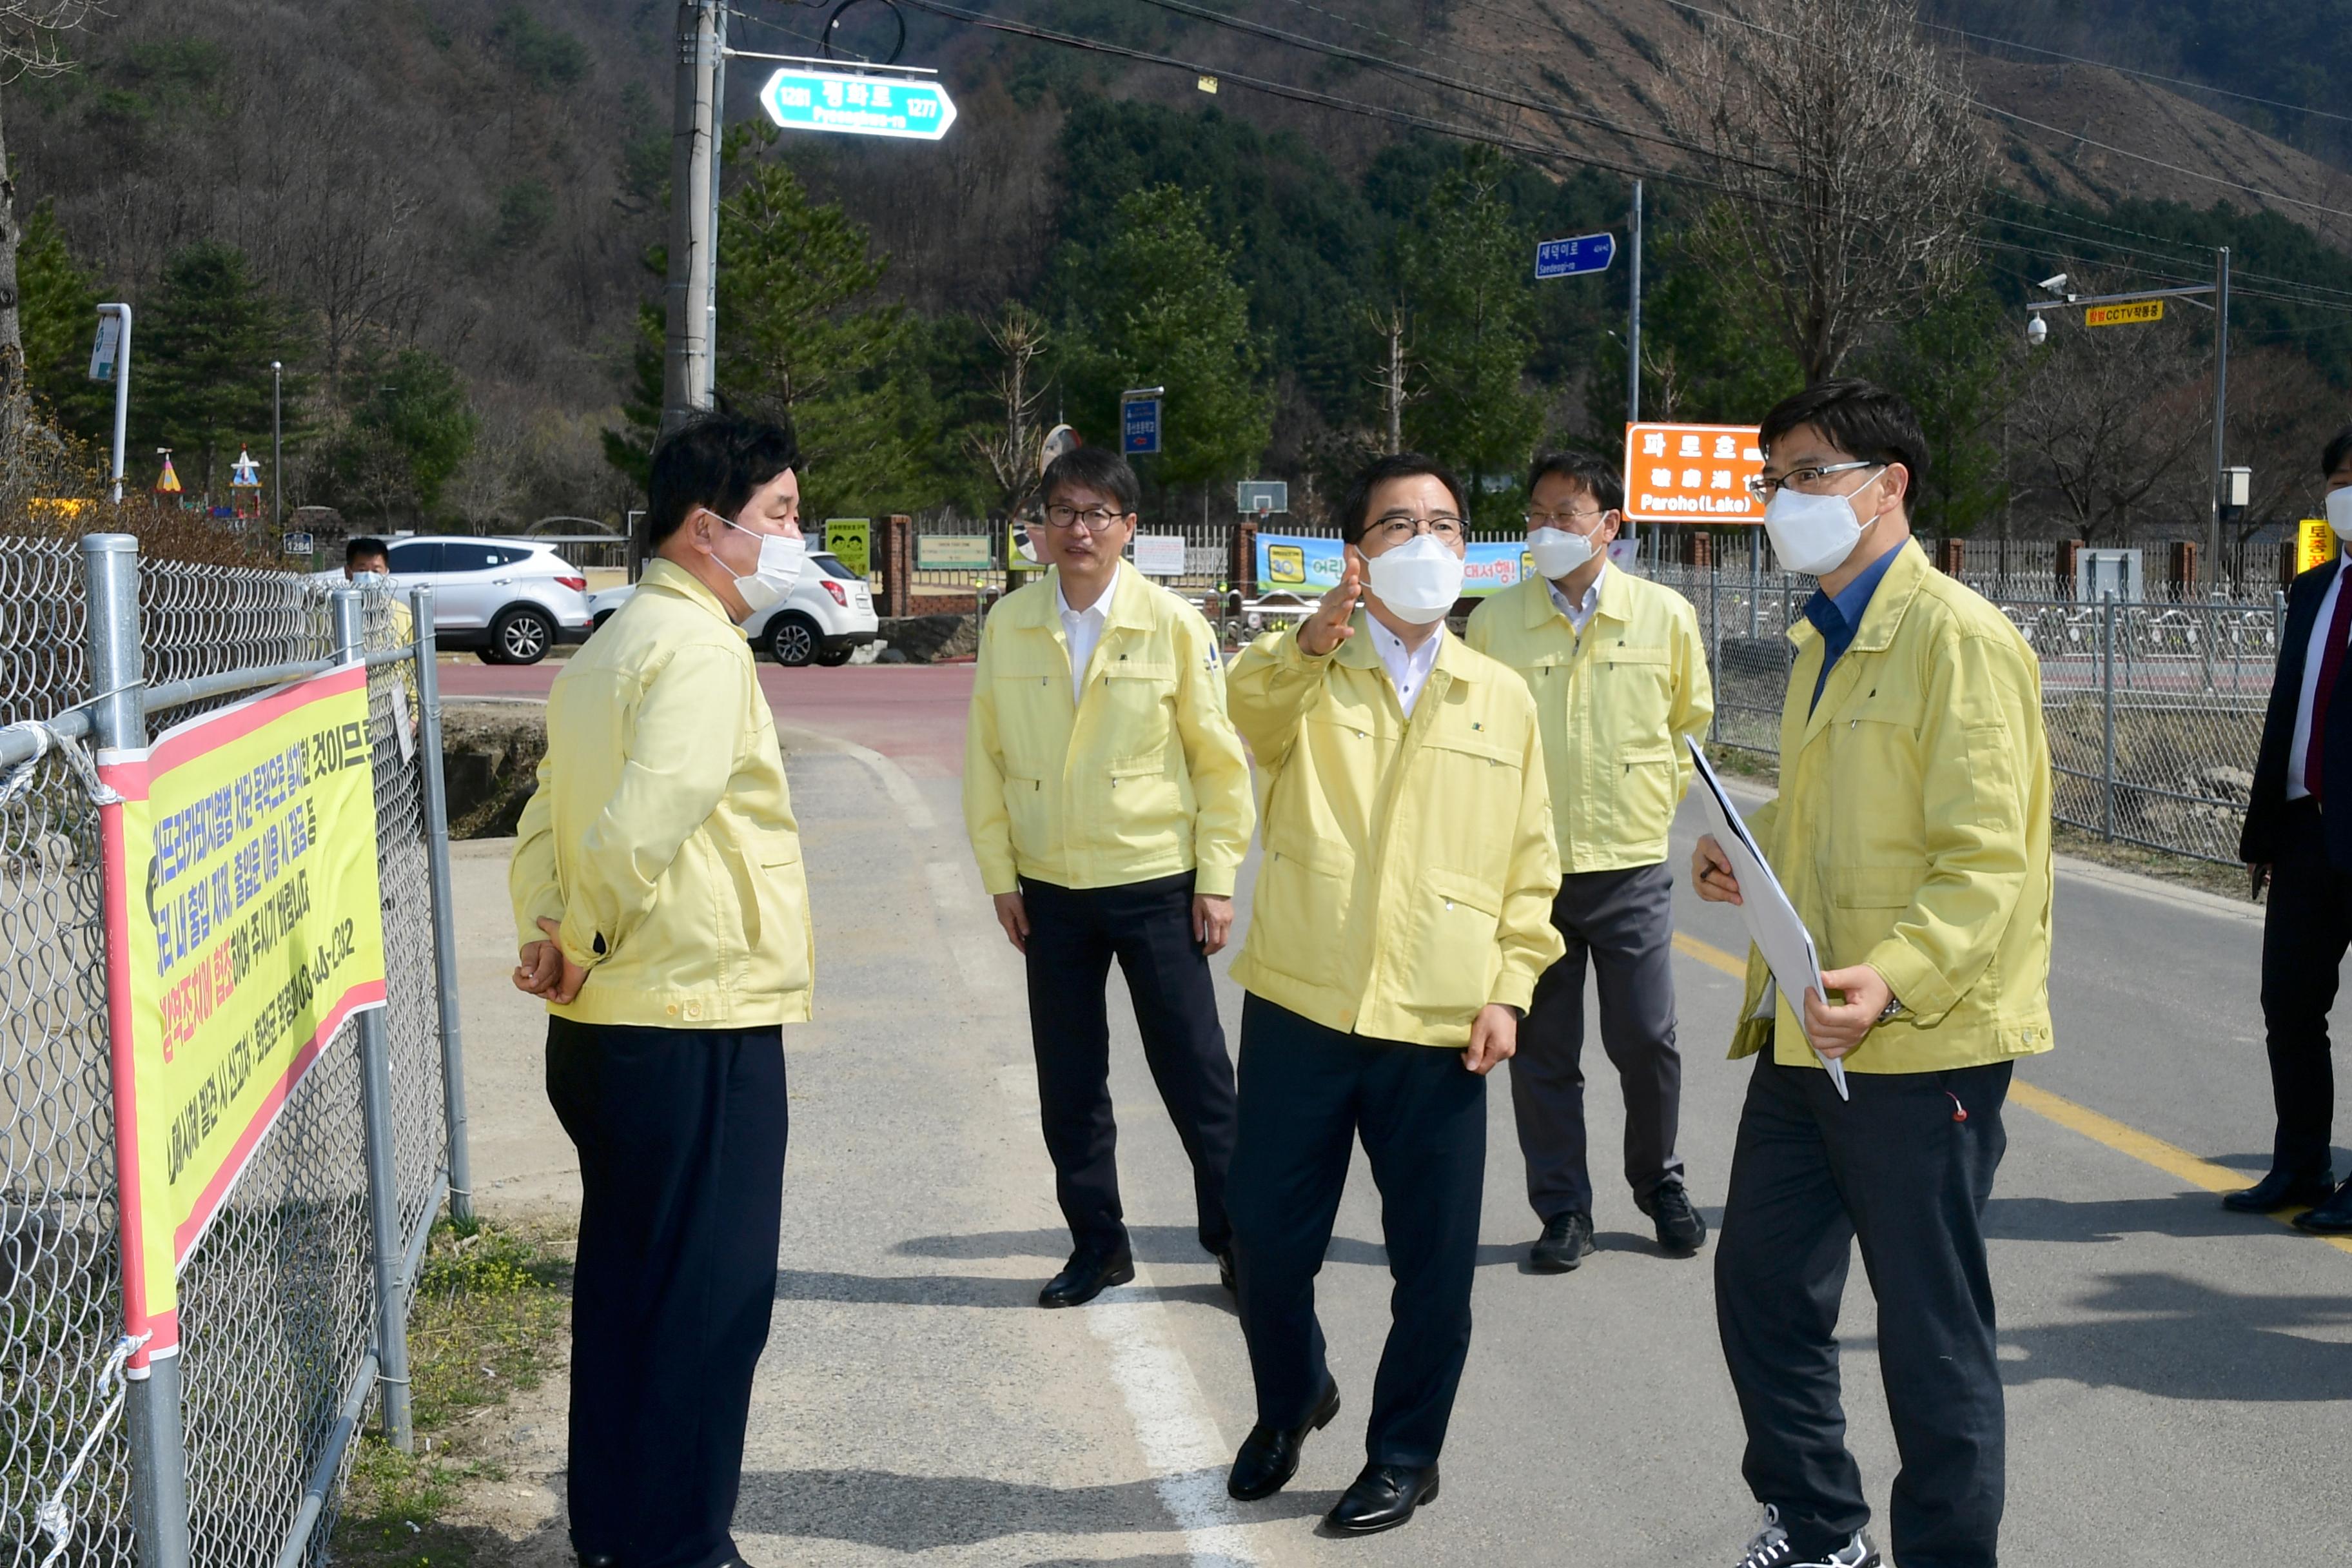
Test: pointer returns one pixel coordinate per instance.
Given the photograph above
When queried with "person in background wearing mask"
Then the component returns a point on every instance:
(366, 557)
(1619, 676)
(2304, 852)
(663, 912)
(1108, 805)
(1396, 934)
(1912, 835)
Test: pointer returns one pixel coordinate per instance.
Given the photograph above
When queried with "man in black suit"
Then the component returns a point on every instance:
(2299, 837)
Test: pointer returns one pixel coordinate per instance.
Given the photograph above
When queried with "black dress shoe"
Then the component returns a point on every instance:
(1269, 1455)
(1383, 1497)
(2331, 1217)
(1680, 1229)
(1225, 1272)
(1088, 1274)
(1567, 1241)
(2281, 1190)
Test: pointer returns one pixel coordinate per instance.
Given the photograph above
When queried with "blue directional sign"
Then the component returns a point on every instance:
(845, 102)
(1139, 426)
(1574, 257)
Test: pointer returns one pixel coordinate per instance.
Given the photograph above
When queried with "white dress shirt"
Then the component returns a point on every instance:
(1408, 667)
(2313, 656)
(1083, 629)
(1579, 613)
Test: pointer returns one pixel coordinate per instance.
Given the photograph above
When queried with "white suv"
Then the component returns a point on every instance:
(509, 600)
(829, 612)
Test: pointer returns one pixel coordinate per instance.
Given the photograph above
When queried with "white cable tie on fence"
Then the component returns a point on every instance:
(46, 740)
(53, 1517)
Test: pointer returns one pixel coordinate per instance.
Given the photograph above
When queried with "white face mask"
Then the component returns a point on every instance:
(2339, 512)
(1558, 552)
(1419, 580)
(1812, 534)
(781, 560)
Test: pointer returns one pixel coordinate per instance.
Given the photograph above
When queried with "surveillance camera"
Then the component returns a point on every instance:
(2037, 331)
(2053, 284)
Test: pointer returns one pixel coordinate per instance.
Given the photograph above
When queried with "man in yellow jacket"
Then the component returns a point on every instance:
(663, 913)
(1398, 927)
(1619, 676)
(1108, 805)
(1912, 835)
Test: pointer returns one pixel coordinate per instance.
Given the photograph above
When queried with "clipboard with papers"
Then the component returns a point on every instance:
(1771, 920)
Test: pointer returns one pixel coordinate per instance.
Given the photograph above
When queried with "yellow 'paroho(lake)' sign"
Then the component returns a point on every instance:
(244, 926)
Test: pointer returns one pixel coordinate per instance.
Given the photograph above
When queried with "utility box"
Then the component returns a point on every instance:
(2108, 574)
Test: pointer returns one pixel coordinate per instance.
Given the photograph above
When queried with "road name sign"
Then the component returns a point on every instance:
(857, 105)
(1139, 420)
(2130, 315)
(1574, 257)
(301, 544)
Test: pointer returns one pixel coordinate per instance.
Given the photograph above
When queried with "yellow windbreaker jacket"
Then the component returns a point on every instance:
(1143, 778)
(1912, 830)
(1613, 705)
(662, 833)
(1410, 866)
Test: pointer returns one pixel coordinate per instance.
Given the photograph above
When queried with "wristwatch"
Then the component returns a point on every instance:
(1887, 1013)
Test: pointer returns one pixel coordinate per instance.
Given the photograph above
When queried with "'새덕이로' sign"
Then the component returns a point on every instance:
(1692, 473)
(244, 926)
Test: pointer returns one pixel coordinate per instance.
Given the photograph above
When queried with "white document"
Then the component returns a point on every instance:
(1772, 922)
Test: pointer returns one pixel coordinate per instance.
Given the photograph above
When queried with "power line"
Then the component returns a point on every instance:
(2145, 76)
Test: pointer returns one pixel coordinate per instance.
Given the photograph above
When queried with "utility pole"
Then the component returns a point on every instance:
(2220, 418)
(1633, 322)
(276, 448)
(1396, 382)
(693, 186)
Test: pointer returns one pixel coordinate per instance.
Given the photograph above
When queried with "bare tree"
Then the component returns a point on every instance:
(1008, 451)
(2106, 429)
(29, 46)
(1851, 164)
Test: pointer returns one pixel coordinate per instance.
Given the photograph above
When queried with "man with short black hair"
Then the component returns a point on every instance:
(1108, 805)
(1912, 835)
(663, 914)
(2304, 851)
(1396, 934)
(1618, 674)
(363, 555)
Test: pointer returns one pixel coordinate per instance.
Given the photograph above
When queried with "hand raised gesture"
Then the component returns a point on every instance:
(1330, 625)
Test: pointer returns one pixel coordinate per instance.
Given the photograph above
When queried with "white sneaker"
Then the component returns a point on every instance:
(1770, 1549)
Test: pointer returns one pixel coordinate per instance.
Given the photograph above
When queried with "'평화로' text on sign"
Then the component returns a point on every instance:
(243, 927)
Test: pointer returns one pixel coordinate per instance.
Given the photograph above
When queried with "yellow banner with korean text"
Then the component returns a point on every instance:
(244, 925)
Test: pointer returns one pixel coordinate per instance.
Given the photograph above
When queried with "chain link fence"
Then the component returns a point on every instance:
(286, 1326)
(2154, 708)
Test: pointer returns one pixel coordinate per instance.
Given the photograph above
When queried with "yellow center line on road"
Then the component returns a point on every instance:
(2119, 1136)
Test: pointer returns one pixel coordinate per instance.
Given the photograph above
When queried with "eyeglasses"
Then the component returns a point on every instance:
(1093, 521)
(1763, 487)
(1397, 527)
(1561, 518)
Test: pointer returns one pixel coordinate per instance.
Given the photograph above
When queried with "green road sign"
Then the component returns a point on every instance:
(858, 105)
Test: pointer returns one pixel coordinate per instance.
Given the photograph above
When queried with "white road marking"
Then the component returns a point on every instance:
(1180, 1441)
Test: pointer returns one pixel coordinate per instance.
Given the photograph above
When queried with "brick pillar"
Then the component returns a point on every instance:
(2180, 564)
(1702, 548)
(2068, 549)
(1242, 574)
(898, 558)
(1951, 555)
(2286, 563)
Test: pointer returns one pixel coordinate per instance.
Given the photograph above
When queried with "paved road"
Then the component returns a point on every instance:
(2175, 1373)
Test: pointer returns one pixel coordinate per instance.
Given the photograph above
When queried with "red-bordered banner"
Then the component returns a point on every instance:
(244, 925)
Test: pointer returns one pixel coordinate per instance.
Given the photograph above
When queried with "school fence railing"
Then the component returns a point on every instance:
(2154, 708)
(293, 1306)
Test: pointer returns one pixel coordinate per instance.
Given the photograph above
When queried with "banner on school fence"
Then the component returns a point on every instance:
(1294, 564)
(1692, 473)
(244, 926)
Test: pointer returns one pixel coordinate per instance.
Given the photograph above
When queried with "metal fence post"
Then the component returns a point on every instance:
(383, 1178)
(2108, 686)
(445, 915)
(1715, 639)
(1754, 585)
(152, 1405)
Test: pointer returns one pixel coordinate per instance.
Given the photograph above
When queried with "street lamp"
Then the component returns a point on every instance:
(276, 450)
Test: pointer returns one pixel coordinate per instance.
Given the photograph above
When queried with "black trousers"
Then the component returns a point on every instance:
(1306, 1094)
(2304, 933)
(1621, 924)
(1899, 1170)
(681, 1140)
(1074, 935)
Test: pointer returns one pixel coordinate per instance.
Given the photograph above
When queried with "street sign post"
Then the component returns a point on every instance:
(1138, 421)
(850, 102)
(1575, 257)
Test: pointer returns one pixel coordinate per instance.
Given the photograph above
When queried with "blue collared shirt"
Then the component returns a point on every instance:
(1837, 619)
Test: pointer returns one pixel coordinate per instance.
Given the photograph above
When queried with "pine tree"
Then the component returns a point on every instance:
(203, 360)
